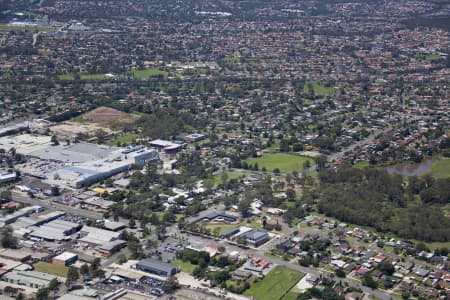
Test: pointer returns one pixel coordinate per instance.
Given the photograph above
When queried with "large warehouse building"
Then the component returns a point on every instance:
(157, 267)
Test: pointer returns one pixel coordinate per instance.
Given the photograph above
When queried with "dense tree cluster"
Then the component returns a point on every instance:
(411, 208)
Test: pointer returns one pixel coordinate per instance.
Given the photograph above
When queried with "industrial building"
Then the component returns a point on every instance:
(26, 211)
(65, 259)
(157, 267)
(98, 236)
(31, 279)
(54, 231)
(112, 247)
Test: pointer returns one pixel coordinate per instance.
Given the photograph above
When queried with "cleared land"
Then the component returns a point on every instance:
(275, 285)
(108, 115)
(283, 161)
(45, 267)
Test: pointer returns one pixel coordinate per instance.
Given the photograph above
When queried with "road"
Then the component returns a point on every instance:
(381, 294)
(318, 272)
(50, 204)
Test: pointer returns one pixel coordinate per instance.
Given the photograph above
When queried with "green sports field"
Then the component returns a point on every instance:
(275, 285)
(285, 162)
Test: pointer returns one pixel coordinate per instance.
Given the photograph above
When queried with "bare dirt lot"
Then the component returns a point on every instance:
(108, 115)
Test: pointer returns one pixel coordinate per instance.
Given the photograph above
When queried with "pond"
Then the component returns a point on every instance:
(411, 168)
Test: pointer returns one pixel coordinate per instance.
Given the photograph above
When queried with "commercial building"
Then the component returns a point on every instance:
(76, 165)
(65, 258)
(85, 174)
(256, 237)
(114, 226)
(157, 267)
(7, 177)
(220, 217)
(167, 146)
(194, 137)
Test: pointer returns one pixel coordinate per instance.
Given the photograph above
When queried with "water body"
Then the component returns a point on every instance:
(412, 169)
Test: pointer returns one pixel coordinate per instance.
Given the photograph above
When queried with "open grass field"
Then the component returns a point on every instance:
(123, 139)
(90, 77)
(320, 90)
(275, 285)
(185, 266)
(220, 228)
(361, 164)
(440, 169)
(49, 268)
(285, 162)
(147, 73)
(24, 28)
(217, 179)
(290, 296)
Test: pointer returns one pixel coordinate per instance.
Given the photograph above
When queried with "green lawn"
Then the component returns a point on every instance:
(440, 169)
(319, 90)
(45, 267)
(285, 162)
(290, 296)
(217, 179)
(222, 228)
(433, 57)
(124, 139)
(361, 164)
(93, 77)
(275, 285)
(185, 266)
(147, 73)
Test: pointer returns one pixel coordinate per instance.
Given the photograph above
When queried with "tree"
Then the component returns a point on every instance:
(72, 276)
(243, 206)
(95, 264)
(53, 286)
(54, 140)
(369, 281)
(7, 238)
(170, 285)
(340, 273)
(84, 270)
(55, 190)
(20, 296)
(387, 268)
(42, 294)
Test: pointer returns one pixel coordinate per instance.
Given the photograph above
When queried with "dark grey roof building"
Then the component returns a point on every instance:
(157, 267)
(256, 237)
